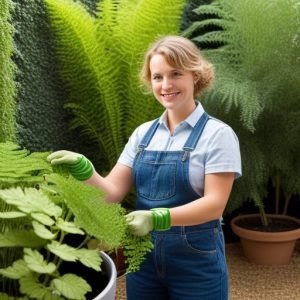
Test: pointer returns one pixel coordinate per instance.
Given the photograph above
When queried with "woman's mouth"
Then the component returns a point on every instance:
(169, 95)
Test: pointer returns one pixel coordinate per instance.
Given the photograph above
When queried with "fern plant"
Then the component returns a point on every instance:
(7, 74)
(100, 60)
(51, 216)
(18, 167)
(257, 90)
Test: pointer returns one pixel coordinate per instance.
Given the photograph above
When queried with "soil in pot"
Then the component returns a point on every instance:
(275, 224)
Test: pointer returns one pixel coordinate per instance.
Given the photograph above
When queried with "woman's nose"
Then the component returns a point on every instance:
(167, 83)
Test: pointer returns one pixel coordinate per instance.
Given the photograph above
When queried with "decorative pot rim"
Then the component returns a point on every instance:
(281, 236)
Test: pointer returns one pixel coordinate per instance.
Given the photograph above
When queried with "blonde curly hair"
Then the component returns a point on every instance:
(183, 54)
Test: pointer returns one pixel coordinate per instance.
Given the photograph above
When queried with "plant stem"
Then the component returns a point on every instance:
(286, 203)
(263, 217)
(277, 193)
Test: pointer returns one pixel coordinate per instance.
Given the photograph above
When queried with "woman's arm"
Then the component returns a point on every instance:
(210, 207)
(116, 184)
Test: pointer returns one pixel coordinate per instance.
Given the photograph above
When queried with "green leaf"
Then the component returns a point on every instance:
(16, 271)
(11, 215)
(42, 218)
(35, 262)
(69, 227)
(34, 289)
(63, 251)
(99, 219)
(71, 286)
(90, 258)
(21, 238)
(30, 200)
(41, 231)
(18, 166)
(6, 297)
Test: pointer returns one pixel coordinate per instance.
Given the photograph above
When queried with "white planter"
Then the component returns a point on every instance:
(108, 268)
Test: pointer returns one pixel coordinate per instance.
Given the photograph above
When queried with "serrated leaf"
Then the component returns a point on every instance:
(90, 258)
(11, 215)
(69, 227)
(17, 270)
(35, 262)
(71, 286)
(21, 238)
(63, 251)
(42, 218)
(30, 200)
(41, 231)
(31, 287)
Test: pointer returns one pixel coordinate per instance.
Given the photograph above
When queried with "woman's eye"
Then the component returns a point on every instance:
(176, 74)
(156, 77)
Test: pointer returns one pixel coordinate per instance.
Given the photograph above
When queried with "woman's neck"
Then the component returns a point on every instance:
(176, 117)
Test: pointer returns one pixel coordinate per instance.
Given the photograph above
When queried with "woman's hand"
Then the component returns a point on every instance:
(141, 222)
(64, 157)
(79, 166)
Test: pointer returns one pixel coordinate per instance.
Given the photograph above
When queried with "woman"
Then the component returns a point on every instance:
(183, 166)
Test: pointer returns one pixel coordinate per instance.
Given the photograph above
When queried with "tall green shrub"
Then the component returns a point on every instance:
(41, 121)
(7, 74)
(100, 60)
(257, 90)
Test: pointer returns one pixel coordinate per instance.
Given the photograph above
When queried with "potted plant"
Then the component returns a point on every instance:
(47, 219)
(255, 48)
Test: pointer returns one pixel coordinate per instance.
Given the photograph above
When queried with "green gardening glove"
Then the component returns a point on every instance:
(141, 222)
(78, 165)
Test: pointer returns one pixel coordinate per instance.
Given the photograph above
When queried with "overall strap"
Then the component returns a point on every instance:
(148, 136)
(194, 137)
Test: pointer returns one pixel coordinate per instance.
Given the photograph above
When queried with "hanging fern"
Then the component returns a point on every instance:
(100, 61)
(7, 74)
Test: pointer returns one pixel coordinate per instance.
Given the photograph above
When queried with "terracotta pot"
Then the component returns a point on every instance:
(267, 248)
(298, 245)
(119, 261)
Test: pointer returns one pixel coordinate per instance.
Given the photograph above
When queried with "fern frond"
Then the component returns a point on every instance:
(19, 166)
(214, 9)
(139, 23)
(99, 219)
(258, 86)
(198, 25)
(83, 73)
(217, 37)
(101, 59)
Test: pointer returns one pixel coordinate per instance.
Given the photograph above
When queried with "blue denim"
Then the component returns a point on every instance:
(187, 262)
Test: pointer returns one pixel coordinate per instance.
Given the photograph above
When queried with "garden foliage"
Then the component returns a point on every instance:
(7, 74)
(40, 210)
(41, 121)
(100, 61)
(257, 89)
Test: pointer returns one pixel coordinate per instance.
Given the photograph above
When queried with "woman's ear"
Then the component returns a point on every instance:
(196, 77)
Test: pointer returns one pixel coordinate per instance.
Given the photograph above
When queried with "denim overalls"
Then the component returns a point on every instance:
(187, 262)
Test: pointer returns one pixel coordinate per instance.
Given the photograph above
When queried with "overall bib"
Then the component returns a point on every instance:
(187, 262)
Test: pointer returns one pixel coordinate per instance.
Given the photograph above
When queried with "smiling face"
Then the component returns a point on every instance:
(172, 87)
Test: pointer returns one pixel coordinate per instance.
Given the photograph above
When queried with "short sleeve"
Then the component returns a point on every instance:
(223, 153)
(129, 152)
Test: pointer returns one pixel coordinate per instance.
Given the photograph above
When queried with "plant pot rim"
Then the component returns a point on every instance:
(110, 290)
(262, 236)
